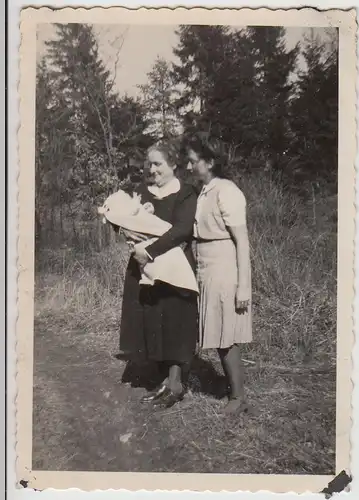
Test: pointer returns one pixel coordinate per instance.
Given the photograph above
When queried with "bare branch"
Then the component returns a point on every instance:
(101, 122)
(112, 61)
(123, 37)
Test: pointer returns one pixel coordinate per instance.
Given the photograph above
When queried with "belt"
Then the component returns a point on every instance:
(200, 240)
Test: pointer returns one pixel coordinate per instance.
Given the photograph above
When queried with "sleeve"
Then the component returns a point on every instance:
(142, 191)
(182, 226)
(232, 205)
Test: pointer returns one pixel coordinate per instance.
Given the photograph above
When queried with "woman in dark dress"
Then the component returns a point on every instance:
(159, 322)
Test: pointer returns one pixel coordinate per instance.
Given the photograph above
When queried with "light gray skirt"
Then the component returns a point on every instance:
(220, 326)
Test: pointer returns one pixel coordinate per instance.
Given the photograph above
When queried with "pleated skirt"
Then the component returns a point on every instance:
(220, 326)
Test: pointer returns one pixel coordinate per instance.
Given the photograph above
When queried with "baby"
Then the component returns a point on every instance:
(119, 207)
(139, 225)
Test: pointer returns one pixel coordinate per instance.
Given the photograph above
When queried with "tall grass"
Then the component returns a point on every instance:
(293, 253)
(293, 248)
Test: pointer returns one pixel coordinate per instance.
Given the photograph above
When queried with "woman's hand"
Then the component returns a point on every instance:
(242, 300)
(140, 255)
(131, 246)
(149, 207)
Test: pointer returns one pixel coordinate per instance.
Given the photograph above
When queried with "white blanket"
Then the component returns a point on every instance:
(138, 223)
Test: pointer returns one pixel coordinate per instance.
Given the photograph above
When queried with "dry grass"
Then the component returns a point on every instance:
(87, 401)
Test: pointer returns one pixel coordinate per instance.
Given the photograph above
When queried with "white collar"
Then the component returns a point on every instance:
(173, 186)
(207, 187)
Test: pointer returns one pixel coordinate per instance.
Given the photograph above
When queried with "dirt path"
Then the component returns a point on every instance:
(86, 418)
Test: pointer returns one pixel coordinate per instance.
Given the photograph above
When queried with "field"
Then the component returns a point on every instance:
(87, 414)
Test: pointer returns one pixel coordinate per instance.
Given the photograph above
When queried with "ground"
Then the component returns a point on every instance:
(87, 418)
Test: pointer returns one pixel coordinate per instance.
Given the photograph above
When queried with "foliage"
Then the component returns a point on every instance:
(158, 100)
(89, 139)
(275, 109)
(314, 113)
(237, 85)
(274, 67)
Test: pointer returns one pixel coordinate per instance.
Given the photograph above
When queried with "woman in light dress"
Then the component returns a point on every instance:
(223, 265)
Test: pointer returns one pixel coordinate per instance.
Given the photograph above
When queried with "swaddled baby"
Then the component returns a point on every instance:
(139, 224)
(120, 209)
(125, 204)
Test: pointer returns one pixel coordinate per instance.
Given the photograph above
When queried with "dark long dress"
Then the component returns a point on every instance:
(159, 322)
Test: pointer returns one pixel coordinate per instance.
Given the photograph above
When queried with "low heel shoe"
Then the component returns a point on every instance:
(154, 395)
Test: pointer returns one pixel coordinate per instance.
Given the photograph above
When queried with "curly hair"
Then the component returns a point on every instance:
(210, 149)
(169, 148)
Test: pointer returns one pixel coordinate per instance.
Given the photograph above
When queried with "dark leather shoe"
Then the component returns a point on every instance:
(168, 398)
(154, 395)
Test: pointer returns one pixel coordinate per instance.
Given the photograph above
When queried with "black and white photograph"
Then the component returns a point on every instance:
(185, 248)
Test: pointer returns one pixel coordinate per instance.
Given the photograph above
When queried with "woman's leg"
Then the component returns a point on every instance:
(234, 369)
(157, 393)
(174, 391)
(175, 378)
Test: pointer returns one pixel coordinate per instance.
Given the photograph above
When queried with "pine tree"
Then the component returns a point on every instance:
(330, 95)
(201, 52)
(237, 85)
(102, 123)
(231, 102)
(55, 147)
(131, 139)
(85, 83)
(158, 99)
(273, 89)
(314, 111)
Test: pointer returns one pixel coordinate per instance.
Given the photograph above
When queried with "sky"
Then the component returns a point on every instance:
(138, 47)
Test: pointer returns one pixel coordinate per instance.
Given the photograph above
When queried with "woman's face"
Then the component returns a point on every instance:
(160, 170)
(199, 167)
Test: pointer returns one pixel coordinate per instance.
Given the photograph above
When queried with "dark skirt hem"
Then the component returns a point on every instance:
(159, 322)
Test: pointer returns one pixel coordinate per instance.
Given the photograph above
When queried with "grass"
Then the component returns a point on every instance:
(87, 414)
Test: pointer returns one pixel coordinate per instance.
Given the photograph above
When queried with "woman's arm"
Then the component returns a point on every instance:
(239, 235)
(181, 230)
(182, 226)
(232, 205)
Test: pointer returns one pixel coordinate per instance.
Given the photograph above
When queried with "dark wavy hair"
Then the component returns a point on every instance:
(210, 149)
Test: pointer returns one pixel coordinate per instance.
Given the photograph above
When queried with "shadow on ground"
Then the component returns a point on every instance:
(203, 377)
(87, 413)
